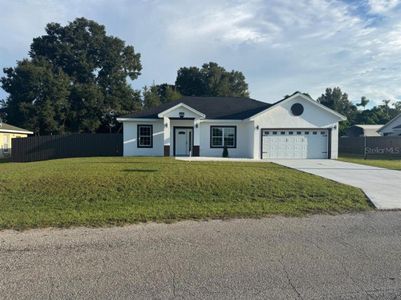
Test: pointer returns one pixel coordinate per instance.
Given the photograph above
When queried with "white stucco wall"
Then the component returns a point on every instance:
(244, 140)
(281, 117)
(130, 139)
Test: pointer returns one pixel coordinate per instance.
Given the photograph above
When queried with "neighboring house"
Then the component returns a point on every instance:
(363, 130)
(7, 133)
(294, 128)
(392, 128)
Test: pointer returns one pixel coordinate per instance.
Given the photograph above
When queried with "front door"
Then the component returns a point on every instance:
(183, 141)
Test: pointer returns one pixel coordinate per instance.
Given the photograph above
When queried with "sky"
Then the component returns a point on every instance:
(281, 46)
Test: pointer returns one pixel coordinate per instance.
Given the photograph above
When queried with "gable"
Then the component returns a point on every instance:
(391, 125)
(313, 115)
(181, 111)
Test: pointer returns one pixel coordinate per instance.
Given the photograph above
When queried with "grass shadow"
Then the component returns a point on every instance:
(140, 170)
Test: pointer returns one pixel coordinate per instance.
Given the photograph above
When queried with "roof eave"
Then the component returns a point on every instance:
(16, 131)
(127, 119)
(340, 116)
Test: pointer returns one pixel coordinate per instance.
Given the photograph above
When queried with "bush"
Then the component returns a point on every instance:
(225, 151)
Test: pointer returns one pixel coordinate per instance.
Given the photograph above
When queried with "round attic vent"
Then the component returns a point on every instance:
(297, 109)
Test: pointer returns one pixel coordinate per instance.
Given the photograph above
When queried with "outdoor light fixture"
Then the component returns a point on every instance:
(335, 127)
(196, 125)
(257, 127)
(166, 125)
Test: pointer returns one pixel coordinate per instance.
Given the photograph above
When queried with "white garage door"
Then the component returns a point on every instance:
(294, 144)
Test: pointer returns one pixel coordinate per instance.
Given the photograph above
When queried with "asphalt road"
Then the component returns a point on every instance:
(319, 257)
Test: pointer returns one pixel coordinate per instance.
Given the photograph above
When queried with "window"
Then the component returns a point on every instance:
(274, 132)
(145, 136)
(282, 132)
(221, 136)
(290, 133)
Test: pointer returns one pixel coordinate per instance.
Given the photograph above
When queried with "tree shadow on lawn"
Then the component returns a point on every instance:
(255, 165)
(140, 170)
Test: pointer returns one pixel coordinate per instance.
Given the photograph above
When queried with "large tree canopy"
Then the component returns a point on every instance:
(338, 101)
(211, 80)
(76, 80)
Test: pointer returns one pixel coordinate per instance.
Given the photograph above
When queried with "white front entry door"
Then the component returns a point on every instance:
(294, 144)
(183, 141)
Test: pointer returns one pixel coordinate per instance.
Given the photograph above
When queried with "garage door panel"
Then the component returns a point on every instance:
(294, 144)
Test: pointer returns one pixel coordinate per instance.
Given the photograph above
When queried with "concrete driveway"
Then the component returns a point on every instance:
(382, 186)
(354, 256)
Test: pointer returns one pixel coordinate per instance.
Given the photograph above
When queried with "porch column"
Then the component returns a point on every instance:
(166, 136)
(196, 147)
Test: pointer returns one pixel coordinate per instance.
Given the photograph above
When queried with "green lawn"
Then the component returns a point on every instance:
(388, 163)
(105, 191)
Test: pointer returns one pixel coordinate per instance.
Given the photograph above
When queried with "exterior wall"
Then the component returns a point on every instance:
(130, 139)
(244, 139)
(334, 142)
(248, 142)
(5, 138)
(243, 147)
(388, 131)
(281, 117)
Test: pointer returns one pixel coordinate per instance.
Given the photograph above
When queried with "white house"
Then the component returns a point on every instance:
(294, 128)
(392, 128)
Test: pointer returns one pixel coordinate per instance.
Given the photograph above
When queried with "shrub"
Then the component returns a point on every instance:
(225, 151)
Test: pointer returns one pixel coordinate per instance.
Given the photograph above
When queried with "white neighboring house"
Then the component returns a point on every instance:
(7, 133)
(392, 128)
(296, 127)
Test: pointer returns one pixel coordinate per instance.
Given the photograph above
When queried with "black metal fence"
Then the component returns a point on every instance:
(371, 146)
(63, 146)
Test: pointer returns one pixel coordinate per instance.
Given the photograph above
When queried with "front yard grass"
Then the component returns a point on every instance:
(382, 162)
(115, 190)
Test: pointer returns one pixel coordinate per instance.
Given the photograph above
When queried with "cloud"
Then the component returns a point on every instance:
(280, 45)
(382, 6)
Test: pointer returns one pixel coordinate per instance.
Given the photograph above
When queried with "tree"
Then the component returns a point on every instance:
(190, 82)
(91, 68)
(364, 102)
(168, 93)
(151, 98)
(38, 96)
(397, 106)
(338, 101)
(211, 80)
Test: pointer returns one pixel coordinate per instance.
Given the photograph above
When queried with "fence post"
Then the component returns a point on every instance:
(365, 155)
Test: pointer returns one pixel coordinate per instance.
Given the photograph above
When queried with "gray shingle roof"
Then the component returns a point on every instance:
(228, 108)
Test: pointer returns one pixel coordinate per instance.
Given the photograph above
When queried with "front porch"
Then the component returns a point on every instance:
(181, 131)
